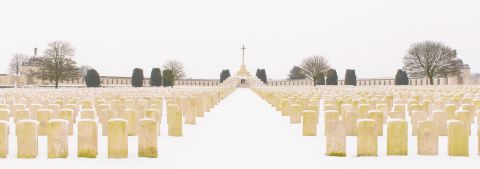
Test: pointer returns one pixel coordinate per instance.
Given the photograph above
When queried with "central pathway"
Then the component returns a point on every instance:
(245, 132)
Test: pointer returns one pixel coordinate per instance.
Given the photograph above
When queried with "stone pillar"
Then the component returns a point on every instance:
(457, 138)
(309, 123)
(336, 138)
(87, 138)
(427, 139)
(366, 137)
(3, 139)
(57, 138)
(397, 137)
(27, 139)
(295, 114)
(147, 138)
(117, 138)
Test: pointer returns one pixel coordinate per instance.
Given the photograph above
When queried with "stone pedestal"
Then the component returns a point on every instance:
(117, 138)
(450, 110)
(397, 137)
(190, 115)
(362, 110)
(88, 114)
(350, 123)
(416, 117)
(21, 115)
(43, 116)
(440, 119)
(109, 114)
(295, 114)
(377, 115)
(200, 106)
(465, 117)
(57, 138)
(66, 114)
(309, 123)
(427, 139)
(87, 138)
(366, 137)
(27, 139)
(331, 115)
(147, 138)
(336, 138)
(174, 120)
(457, 138)
(152, 114)
(132, 118)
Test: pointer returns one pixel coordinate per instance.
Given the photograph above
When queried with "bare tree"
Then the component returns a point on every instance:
(176, 67)
(428, 59)
(315, 65)
(15, 66)
(57, 63)
(16, 63)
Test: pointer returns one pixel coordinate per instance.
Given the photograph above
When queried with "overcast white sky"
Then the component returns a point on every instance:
(116, 36)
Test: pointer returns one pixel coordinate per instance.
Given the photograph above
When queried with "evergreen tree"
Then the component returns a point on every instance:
(350, 77)
(156, 77)
(332, 78)
(257, 74)
(401, 78)
(224, 75)
(92, 79)
(319, 79)
(137, 77)
(168, 78)
(263, 76)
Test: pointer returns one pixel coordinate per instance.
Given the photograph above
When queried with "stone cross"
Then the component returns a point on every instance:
(243, 54)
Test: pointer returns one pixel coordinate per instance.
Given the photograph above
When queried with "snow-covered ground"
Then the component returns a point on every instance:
(244, 132)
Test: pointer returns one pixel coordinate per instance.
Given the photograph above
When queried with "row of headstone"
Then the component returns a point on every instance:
(57, 137)
(117, 117)
(365, 116)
